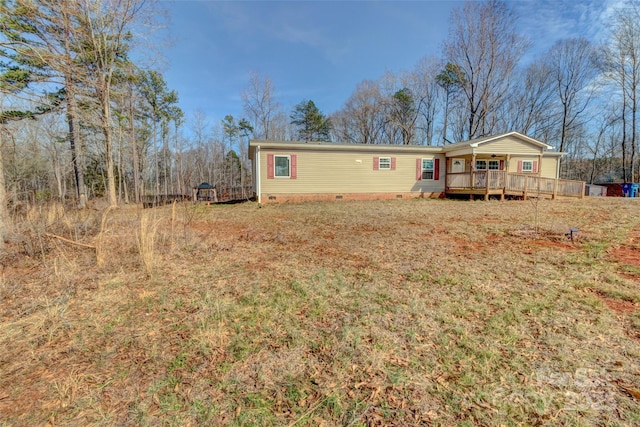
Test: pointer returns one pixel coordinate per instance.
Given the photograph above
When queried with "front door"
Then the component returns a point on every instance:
(457, 165)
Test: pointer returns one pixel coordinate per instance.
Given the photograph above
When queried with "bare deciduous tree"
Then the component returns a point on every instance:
(361, 121)
(621, 65)
(425, 84)
(532, 101)
(260, 106)
(573, 69)
(484, 44)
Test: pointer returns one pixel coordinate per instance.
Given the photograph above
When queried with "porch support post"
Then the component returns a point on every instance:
(539, 165)
(473, 170)
(447, 166)
(555, 189)
(507, 163)
(486, 185)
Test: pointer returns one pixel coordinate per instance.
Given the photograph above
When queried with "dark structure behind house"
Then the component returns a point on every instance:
(205, 192)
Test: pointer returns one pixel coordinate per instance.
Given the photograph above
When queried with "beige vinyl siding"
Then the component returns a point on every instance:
(329, 171)
(513, 162)
(509, 145)
(549, 167)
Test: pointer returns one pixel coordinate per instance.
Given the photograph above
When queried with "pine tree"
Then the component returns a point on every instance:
(312, 124)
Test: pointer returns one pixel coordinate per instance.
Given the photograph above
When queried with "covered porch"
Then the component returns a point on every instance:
(502, 183)
(506, 165)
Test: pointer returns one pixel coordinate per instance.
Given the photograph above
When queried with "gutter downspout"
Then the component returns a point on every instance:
(258, 192)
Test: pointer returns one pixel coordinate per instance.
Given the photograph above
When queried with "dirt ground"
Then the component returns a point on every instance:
(402, 312)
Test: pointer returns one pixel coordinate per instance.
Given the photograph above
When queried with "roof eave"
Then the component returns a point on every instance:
(330, 146)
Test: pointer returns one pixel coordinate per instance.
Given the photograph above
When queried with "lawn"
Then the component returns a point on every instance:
(403, 312)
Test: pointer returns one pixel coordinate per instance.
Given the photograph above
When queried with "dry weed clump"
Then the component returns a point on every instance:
(433, 312)
(146, 240)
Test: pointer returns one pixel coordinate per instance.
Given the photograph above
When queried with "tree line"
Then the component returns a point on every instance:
(579, 96)
(80, 118)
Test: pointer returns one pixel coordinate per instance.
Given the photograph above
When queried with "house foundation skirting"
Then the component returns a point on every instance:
(324, 197)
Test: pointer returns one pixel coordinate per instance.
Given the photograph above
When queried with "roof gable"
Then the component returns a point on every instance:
(477, 142)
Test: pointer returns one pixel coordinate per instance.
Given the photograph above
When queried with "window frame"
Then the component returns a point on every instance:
(275, 165)
(424, 170)
(481, 161)
(387, 166)
(526, 163)
(496, 163)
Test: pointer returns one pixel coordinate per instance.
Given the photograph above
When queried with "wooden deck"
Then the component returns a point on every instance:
(502, 183)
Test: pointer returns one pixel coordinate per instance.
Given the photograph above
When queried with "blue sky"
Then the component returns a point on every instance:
(320, 50)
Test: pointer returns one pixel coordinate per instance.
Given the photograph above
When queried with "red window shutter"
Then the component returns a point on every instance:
(535, 167)
(376, 163)
(519, 166)
(436, 169)
(418, 169)
(269, 166)
(294, 166)
(501, 165)
(393, 163)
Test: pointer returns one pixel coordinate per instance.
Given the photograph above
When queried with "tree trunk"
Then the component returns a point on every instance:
(624, 130)
(156, 191)
(111, 178)
(634, 111)
(446, 118)
(563, 136)
(165, 168)
(72, 109)
(123, 195)
(108, 146)
(181, 179)
(4, 212)
(134, 151)
(76, 152)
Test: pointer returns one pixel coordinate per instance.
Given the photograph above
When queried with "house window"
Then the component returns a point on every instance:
(481, 165)
(384, 163)
(527, 166)
(427, 168)
(282, 166)
(494, 165)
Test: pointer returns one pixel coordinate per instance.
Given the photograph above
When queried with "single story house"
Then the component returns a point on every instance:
(509, 164)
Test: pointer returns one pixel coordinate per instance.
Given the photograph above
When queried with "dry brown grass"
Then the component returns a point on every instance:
(360, 313)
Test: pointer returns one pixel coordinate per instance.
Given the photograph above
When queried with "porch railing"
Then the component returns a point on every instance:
(479, 179)
(514, 183)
